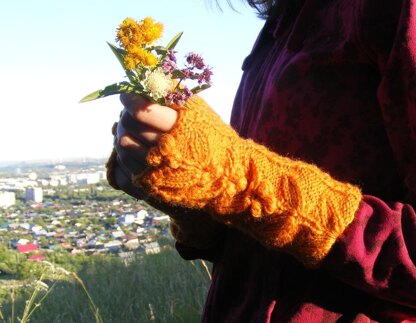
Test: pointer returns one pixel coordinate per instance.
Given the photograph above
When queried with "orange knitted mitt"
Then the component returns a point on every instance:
(191, 227)
(283, 203)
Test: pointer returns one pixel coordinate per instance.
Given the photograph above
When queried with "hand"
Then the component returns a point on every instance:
(140, 127)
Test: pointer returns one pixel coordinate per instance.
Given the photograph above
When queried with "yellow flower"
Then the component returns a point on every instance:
(130, 62)
(139, 55)
(144, 32)
(127, 32)
(150, 59)
(151, 30)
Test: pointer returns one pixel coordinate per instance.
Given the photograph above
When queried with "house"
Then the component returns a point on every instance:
(132, 244)
(59, 235)
(127, 219)
(39, 233)
(113, 246)
(81, 243)
(50, 234)
(36, 228)
(25, 248)
(4, 226)
(128, 237)
(142, 214)
(66, 246)
(117, 234)
(151, 248)
(37, 257)
(56, 223)
(157, 220)
(25, 226)
(7, 199)
(16, 242)
(14, 226)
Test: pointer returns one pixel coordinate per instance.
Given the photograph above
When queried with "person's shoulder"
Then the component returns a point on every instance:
(378, 21)
(381, 11)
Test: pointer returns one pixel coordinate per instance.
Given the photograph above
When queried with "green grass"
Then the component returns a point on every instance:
(154, 288)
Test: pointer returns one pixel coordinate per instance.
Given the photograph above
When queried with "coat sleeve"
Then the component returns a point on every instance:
(377, 252)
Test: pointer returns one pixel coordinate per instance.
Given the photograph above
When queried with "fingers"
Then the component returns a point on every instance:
(141, 132)
(131, 152)
(140, 127)
(156, 116)
(123, 181)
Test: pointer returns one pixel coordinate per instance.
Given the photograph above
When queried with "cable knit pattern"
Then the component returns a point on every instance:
(283, 203)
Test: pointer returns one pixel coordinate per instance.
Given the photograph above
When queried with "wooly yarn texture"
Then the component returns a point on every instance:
(285, 204)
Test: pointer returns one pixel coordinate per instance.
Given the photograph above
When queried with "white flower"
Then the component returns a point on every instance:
(157, 84)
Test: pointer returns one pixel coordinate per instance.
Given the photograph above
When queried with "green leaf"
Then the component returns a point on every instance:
(160, 51)
(171, 45)
(120, 54)
(91, 96)
(116, 88)
(177, 74)
(200, 88)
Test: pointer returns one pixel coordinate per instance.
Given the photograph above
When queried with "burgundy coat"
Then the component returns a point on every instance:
(331, 82)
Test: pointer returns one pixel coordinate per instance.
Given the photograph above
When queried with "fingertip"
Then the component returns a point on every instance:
(133, 100)
(158, 117)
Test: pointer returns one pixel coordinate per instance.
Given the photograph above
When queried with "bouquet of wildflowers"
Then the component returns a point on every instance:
(152, 70)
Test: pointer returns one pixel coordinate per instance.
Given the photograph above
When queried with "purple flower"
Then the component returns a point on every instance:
(171, 56)
(186, 93)
(187, 73)
(178, 97)
(168, 66)
(168, 63)
(195, 60)
(205, 76)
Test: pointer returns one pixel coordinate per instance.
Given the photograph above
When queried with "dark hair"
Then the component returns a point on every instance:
(270, 9)
(263, 7)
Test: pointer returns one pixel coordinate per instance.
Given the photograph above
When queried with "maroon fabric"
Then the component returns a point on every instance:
(332, 83)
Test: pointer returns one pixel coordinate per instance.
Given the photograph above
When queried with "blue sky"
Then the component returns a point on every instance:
(55, 52)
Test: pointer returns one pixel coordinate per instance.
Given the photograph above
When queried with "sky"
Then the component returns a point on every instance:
(53, 53)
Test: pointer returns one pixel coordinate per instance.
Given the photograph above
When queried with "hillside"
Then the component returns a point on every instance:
(114, 254)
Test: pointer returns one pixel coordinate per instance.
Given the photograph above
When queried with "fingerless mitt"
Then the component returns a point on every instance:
(283, 203)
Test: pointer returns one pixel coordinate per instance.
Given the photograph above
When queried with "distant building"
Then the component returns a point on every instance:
(132, 244)
(113, 246)
(4, 226)
(117, 234)
(60, 167)
(127, 219)
(34, 194)
(25, 248)
(86, 179)
(151, 248)
(36, 228)
(33, 176)
(161, 219)
(7, 199)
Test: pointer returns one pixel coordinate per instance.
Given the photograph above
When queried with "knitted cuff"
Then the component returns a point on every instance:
(189, 227)
(285, 204)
